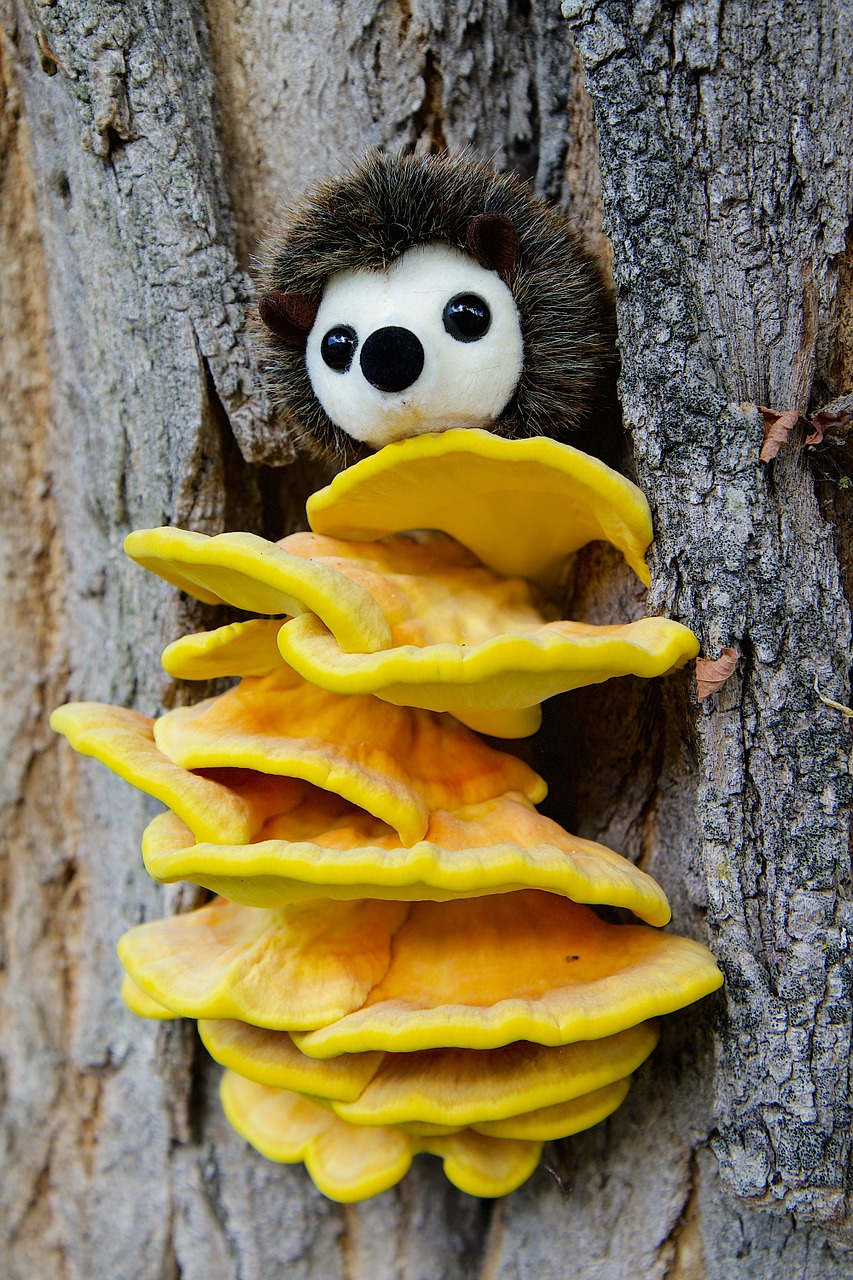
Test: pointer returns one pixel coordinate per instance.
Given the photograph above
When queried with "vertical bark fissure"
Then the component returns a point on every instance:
(36, 872)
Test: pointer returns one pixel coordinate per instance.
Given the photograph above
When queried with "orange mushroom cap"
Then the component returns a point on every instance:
(473, 973)
(324, 845)
(397, 763)
(450, 1087)
(521, 1090)
(218, 804)
(465, 639)
(227, 764)
(483, 972)
(496, 686)
(461, 638)
(295, 966)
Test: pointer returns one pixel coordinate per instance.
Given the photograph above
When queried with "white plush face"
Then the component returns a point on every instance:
(433, 342)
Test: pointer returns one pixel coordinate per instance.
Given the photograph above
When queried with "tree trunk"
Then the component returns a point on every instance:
(144, 147)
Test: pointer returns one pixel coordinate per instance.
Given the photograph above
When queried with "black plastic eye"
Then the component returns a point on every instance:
(467, 317)
(338, 347)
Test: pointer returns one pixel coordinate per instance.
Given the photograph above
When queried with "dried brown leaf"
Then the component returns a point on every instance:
(712, 673)
(838, 414)
(819, 425)
(777, 428)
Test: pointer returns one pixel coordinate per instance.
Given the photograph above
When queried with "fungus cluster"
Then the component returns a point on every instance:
(403, 954)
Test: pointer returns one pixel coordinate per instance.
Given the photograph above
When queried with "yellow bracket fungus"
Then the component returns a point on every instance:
(456, 1087)
(495, 686)
(351, 1162)
(398, 763)
(143, 1005)
(522, 506)
(222, 805)
(405, 956)
(240, 649)
(322, 846)
(348, 977)
(251, 573)
(297, 966)
(226, 765)
(461, 638)
(561, 1120)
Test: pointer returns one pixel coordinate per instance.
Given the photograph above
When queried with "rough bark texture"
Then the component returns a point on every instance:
(727, 174)
(143, 149)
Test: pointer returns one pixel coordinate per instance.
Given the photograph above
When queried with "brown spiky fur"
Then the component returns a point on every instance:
(387, 204)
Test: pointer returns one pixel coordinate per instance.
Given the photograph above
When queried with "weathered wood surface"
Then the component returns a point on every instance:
(143, 149)
(728, 174)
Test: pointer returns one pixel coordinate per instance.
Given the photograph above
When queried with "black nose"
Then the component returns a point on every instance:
(392, 359)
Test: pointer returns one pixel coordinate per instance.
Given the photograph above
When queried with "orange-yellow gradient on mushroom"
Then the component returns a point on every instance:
(325, 846)
(464, 639)
(221, 805)
(460, 637)
(475, 973)
(227, 764)
(456, 1087)
(398, 763)
(434, 1089)
(297, 966)
(247, 571)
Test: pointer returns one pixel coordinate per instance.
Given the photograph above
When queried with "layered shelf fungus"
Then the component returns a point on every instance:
(451, 618)
(403, 955)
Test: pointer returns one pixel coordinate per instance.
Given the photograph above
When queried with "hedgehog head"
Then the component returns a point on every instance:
(418, 294)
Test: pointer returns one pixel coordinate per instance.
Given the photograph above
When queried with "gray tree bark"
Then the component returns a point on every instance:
(143, 150)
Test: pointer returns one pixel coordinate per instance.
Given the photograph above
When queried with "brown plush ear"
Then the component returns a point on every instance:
(290, 316)
(493, 241)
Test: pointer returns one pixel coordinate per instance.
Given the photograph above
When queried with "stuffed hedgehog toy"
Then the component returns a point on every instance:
(415, 295)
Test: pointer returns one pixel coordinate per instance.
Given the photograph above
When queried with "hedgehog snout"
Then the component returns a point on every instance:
(392, 358)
